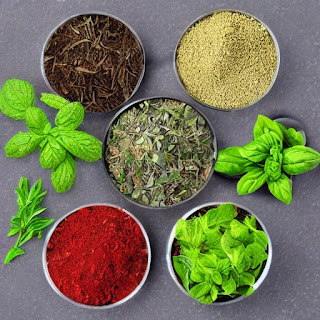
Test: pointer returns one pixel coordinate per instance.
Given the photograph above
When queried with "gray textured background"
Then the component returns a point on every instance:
(291, 290)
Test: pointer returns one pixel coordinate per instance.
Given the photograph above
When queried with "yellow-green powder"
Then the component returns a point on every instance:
(227, 60)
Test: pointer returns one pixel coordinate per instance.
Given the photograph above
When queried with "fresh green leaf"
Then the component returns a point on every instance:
(299, 159)
(291, 137)
(256, 253)
(273, 168)
(182, 266)
(240, 232)
(54, 101)
(22, 144)
(259, 149)
(16, 97)
(63, 176)
(189, 231)
(81, 145)
(265, 125)
(214, 293)
(37, 121)
(281, 189)
(251, 181)
(52, 154)
(70, 116)
(231, 162)
(200, 290)
(245, 291)
(13, 231)
(228, 285)
(216, 277)
(13, 252)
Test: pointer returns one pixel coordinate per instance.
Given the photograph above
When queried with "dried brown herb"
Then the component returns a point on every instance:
(160, 152)
(94, 59)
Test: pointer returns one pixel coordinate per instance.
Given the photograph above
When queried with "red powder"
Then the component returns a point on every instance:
(97, 255)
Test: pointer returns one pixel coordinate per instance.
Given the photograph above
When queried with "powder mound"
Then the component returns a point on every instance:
(97, 255)
(227, 60)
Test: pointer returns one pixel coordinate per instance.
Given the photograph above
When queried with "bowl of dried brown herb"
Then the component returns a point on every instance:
(227, 60)
(159, 152)
(96, 59)
(219, 253)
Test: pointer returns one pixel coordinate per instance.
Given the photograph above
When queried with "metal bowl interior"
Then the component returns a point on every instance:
(107, 306)
(103, 14)
(108, 138)
(209, 14)
(194, 210)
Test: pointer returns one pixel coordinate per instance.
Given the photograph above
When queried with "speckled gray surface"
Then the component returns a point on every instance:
(291, 290)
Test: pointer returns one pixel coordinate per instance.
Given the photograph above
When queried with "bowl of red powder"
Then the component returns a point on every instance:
(97, 256)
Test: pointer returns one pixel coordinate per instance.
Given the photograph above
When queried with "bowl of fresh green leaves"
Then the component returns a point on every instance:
(219, 253)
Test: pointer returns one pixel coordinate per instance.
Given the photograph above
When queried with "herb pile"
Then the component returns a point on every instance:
(59, 145)
(160, 152)
(218, 257)
(275, 154)
(26, 222)
(94, 59)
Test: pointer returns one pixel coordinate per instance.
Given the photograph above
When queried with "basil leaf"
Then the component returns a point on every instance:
(231, 162)
(291, 137)
(182, 266)
(265, 125)
(200, 290)
(228, 285)
(299, 159)
(240, 232)
(13, 252)
(281, 188)
(273, 168)
(214, 293)
(259, 149)
(53, 101)
(16, 97)
(37, 121)
(207, 260)
(70, 116)
(52, 154)
(22, 144)
(81, 145)
(63, 176)
(197, 274)
(251, 181)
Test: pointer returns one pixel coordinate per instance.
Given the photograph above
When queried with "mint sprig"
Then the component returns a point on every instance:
(60, 144)
(275, 153)
(26, 222)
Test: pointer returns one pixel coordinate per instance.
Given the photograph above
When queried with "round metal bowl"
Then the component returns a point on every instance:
(102, 14)
(235, 11)
(260, 225)
(108, 138)
(107, 306)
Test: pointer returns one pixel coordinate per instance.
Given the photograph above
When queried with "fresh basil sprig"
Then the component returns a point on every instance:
(219, 255)
(60, 144)
(26, 222)
(275, 153)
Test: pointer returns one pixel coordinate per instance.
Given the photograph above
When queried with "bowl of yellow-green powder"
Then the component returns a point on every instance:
(227, 60)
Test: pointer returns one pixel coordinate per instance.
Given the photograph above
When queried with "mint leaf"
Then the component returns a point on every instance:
(299, 159)
(240, 232)
(81, 145)
(16, 97)
(228, 285)
(246, 279)
(231, 162)
(200, 290)
(54, 101)
(251, 181)
(281, 189)
(13, 252)
(22, 144)
(37, 121)
(70, 116)
(265, 125)
(63, 176)
(256, 253)
(52, 154)
(182, 266)
(190, 232)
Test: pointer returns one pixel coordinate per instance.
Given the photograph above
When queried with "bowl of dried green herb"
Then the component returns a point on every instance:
(96, 59)
(219, 253)
(227, 60)
(87, 260)
(159, 152)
